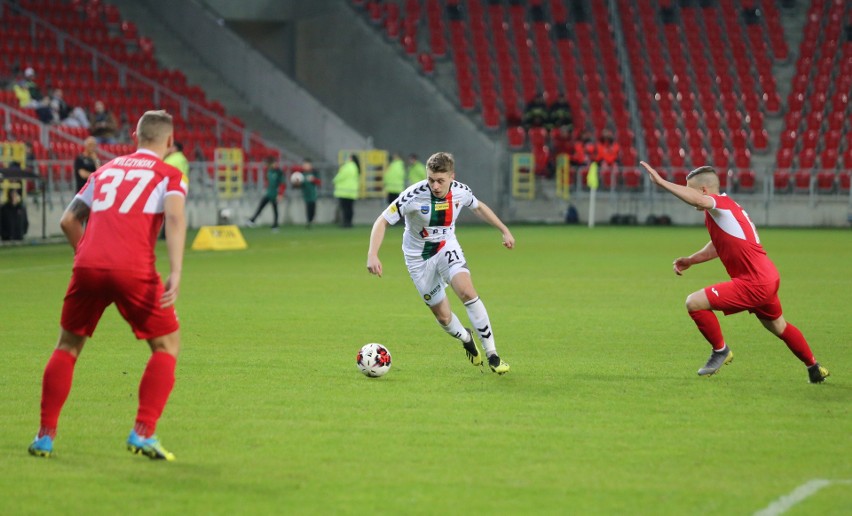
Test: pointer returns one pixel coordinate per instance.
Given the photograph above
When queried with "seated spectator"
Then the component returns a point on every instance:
(13, 217)
(560, 114)
(25, 88)
(535, 113)
(561, 140)
(65, 114)
(102, 124)
(608, 149)
(86, 163)
(585, 149)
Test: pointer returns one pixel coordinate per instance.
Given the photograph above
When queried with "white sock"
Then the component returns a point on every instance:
(481, 324)
(455, 328)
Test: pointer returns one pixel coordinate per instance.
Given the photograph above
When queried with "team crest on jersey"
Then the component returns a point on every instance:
(424, 209)
(442, 206)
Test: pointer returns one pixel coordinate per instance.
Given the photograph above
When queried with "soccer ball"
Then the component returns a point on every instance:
(297, 178)
(373, 360)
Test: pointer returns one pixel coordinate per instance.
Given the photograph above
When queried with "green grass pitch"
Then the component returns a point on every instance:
(602, 412)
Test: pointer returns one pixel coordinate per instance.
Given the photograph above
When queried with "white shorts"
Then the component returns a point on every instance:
(432, 276)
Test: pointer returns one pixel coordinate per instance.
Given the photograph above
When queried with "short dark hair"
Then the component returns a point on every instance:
(700, 170)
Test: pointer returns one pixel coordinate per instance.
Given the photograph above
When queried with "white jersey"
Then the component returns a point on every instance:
(430, 223)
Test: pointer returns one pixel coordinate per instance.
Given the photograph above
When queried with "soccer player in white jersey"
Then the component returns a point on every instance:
(433, 255)
(754, 279)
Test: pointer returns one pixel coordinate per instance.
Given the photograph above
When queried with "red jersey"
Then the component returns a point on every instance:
(126, 197)
(735, 238)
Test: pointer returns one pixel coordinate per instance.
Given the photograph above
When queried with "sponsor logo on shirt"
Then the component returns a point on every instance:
(442, 206)
(424, 209)
(393, 208)
(713, 290)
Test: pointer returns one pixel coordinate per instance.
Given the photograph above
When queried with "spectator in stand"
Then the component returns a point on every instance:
(416, 170)
(561, 140)
(535, 113)
(25, 88)
(394, 178)
(309, 183)
(102, 124)
(274, 192)
(560, 115)
(86, 163)
(177, 159)
(13, 217)
(608, 150)
(346, 186)
(585, 149)
(56, 111)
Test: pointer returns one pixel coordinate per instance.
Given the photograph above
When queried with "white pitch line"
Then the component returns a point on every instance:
(786, 502)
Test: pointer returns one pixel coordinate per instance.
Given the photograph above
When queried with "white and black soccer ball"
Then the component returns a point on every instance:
(373, 360)
(297, 178)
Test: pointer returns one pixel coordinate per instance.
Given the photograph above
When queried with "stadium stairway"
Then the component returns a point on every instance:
(793, 22)
(172, 52)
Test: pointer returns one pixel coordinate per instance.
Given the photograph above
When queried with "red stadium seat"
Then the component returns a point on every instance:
(746, 180)
(802, 181)
(781, 181)
(825, 182)
(516, 136)
(632, 179)
(843, 180)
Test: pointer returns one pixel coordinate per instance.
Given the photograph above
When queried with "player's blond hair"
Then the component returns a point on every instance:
(704, 176)
(441, 162)
(154, 127)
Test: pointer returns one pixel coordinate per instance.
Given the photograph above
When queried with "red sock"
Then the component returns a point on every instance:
(797, 344)
(55, 386)
(154, 390)
(708, 325)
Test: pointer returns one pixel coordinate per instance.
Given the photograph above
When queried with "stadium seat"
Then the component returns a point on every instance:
(825, 181)
(631, 179)
(843, 180)
(802, 181)
(746, 180)
(516, 136)
(781, 181)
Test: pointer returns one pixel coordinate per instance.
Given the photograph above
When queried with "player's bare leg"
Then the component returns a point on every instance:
(55, 387)
(451, 324)
(797, 344)
(701, 312)
(463, 287)
(154, 389)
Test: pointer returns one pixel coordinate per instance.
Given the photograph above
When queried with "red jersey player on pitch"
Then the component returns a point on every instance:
(754, 278)
(112, 224)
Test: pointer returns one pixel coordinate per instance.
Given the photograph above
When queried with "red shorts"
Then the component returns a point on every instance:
(136, 295)
(737, 295)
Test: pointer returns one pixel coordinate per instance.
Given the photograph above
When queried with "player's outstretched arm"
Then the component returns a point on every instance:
(175, 211)
(707, 253)
(684, 193)
(73, 221)
(485, 213)
(377, 236)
